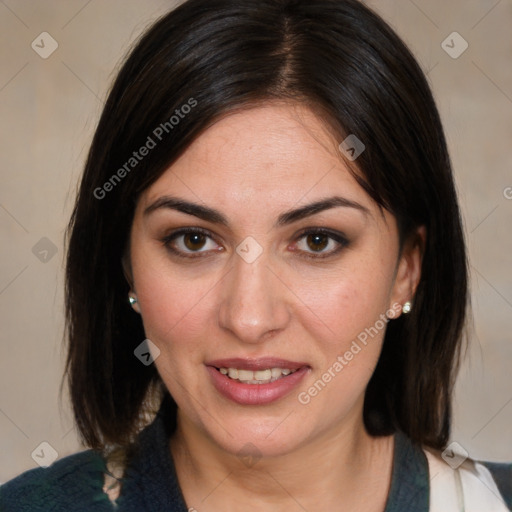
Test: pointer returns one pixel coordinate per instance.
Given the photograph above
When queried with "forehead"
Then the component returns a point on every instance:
(262, 143)
(270, 156)
(272, 135)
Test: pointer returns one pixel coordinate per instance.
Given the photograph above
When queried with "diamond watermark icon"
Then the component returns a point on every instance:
(249, 455)
(147, 352)
(454, 455)
(454, 45)
(249, 250)
(45, 454)
(44, 45)
(352, 147)
(44, 250)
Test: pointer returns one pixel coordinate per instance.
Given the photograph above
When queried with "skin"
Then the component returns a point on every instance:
(252, 166)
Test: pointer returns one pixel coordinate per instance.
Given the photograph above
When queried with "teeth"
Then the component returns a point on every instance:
(256, 377)
(263, 375)
(244, 374)
(276, 372)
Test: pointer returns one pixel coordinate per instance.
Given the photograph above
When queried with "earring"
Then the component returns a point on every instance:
(132, 299)
(406, 308)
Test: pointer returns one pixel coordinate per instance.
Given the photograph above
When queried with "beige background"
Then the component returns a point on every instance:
(48, 111)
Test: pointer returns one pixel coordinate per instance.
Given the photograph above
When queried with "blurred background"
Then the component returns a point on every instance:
(57, 61)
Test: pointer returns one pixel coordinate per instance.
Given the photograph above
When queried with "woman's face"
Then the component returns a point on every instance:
(289, 301)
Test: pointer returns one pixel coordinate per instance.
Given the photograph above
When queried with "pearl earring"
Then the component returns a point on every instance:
(406, 308)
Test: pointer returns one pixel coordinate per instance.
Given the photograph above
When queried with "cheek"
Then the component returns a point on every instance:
(173, 306)
(349, 339)
(342, 306)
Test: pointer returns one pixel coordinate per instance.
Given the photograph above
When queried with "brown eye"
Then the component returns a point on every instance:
(317, 242)
(321, 243)
(190, 243)
(194, 241)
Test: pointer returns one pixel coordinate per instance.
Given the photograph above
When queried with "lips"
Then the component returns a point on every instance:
(228, 377)
(263, 363)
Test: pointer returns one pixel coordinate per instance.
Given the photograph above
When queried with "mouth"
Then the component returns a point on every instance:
(256, 381)
(256, 377)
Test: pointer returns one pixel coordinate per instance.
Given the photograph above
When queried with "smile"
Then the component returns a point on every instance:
(256, 381)
(256, 377)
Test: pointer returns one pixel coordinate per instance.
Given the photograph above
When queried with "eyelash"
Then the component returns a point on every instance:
(333, 235)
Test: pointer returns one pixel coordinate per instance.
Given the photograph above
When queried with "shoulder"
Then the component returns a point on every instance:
(486, 483)
(502, 475)
(71, 483)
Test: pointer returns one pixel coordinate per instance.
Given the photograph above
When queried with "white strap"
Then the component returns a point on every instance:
(112, 481)
(468, 488)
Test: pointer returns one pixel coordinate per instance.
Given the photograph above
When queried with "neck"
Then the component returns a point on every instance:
(342, 469)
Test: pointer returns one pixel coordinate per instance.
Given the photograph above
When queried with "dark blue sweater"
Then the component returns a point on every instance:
(75, 483)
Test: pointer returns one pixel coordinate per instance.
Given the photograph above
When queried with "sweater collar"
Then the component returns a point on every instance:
(150, 482)
(410, 488)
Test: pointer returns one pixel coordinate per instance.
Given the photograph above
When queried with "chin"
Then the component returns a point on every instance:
(262, 438)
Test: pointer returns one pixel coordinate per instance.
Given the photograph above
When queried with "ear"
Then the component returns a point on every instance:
(408, 270)
(127, 271)
(127, 267)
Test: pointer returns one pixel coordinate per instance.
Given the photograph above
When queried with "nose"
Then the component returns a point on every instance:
(253, 305)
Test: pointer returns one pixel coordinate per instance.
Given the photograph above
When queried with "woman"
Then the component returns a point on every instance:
(266, 251)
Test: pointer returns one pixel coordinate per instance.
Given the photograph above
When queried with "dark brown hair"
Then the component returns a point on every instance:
(336, 56)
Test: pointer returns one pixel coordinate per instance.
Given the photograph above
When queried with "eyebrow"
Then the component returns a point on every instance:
(216, 217)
